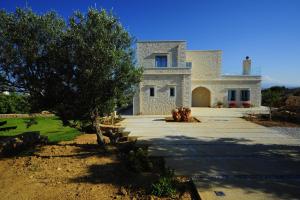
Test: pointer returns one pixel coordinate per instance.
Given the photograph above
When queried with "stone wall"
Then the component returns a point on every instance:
(205, 72)
(175, 51)
(205, 64)
(219, 89)
(25, 115)
(174, 75)
(162, 102)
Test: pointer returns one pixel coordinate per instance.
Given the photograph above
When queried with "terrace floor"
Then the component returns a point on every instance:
(226, 156)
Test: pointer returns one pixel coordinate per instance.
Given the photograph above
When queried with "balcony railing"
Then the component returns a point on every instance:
(167, 70)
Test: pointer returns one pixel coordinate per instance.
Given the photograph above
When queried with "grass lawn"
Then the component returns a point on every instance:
(49, 126)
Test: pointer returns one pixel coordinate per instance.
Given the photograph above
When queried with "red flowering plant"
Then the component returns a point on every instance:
(246, 104)
(232, 104)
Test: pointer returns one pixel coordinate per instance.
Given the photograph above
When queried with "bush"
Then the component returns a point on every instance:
(274, 96)
(138, 160)
(14, 103)
(219, 104)
(232, 105)
(165, 186)
(246, 105)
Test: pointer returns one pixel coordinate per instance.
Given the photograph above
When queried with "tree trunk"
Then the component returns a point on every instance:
(270, 115)
(96, 123)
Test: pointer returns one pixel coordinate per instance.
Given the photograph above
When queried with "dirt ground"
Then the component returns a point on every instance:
(272, 123)
(77, 169)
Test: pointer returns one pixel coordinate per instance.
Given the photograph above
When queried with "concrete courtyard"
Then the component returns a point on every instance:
(226, 156)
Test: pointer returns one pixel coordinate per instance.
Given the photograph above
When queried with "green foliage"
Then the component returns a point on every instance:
(219, 103)
(51, 127)
(138, 160)
(30, 122)
(274, 96)
(105, 74)
(80, 70)
(14, 103)
(165, 186)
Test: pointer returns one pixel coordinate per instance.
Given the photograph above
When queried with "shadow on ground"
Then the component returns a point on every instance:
(224, 162)
(234, 163)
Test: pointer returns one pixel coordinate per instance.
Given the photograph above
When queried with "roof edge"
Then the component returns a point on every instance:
(159, 41)
(203, 50)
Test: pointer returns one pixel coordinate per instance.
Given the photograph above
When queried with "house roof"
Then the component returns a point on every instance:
(156, 41)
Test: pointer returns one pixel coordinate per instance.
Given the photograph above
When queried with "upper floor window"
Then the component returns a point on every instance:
(152, 92)
(245, 95)
(189, 64)
(231, 95)
(172, 91)
(161, 61)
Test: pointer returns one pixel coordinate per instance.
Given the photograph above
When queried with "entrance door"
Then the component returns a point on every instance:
(201, 97)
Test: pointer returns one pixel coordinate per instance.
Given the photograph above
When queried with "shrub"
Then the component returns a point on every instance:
(232, 105)
(274, 97)
(14, 103)
(246, 105)
(219, 104)
(138, 160)
(165, 186)
(30, 122)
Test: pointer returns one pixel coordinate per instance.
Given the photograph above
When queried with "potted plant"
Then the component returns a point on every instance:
(246, 104)
(175, 115)
(181, 114)
(220, 104)
(232, 104)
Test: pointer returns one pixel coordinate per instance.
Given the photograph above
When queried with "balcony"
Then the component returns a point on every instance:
(167, 70)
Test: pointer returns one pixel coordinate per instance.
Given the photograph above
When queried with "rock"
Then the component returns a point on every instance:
(27, 140)
(151, 198)
(58, 168)
(106, 140)
(45, 112)
(123, 191)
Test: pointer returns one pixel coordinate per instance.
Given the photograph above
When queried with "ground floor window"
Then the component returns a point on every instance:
(152, 92)
(245, 95)
(231, 95)
(172, 92)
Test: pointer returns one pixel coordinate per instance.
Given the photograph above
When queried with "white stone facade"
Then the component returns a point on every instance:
(184, 78)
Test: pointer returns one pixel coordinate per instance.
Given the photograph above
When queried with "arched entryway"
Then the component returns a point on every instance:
(201, 97)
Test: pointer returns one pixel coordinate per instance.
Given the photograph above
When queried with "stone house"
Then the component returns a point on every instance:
(174, 76)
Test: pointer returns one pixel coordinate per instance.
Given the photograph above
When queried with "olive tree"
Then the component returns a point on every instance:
(273, 97)
(80, 69)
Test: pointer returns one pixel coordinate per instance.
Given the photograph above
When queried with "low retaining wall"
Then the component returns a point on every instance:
(25, 115)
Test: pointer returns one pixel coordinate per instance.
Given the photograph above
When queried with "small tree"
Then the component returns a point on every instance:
(80, 71)
(102, 61)
(271, 98)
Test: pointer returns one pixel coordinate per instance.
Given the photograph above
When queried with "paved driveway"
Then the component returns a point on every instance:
(225, 155)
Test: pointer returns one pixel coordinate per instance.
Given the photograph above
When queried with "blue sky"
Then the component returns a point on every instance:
(266, 30)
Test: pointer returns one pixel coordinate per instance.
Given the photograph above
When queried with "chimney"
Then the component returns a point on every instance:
(247, 66)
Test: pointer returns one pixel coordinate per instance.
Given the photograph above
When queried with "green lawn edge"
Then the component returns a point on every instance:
(51, 127)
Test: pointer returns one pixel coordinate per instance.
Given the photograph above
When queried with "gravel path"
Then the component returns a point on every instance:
(290, 131)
